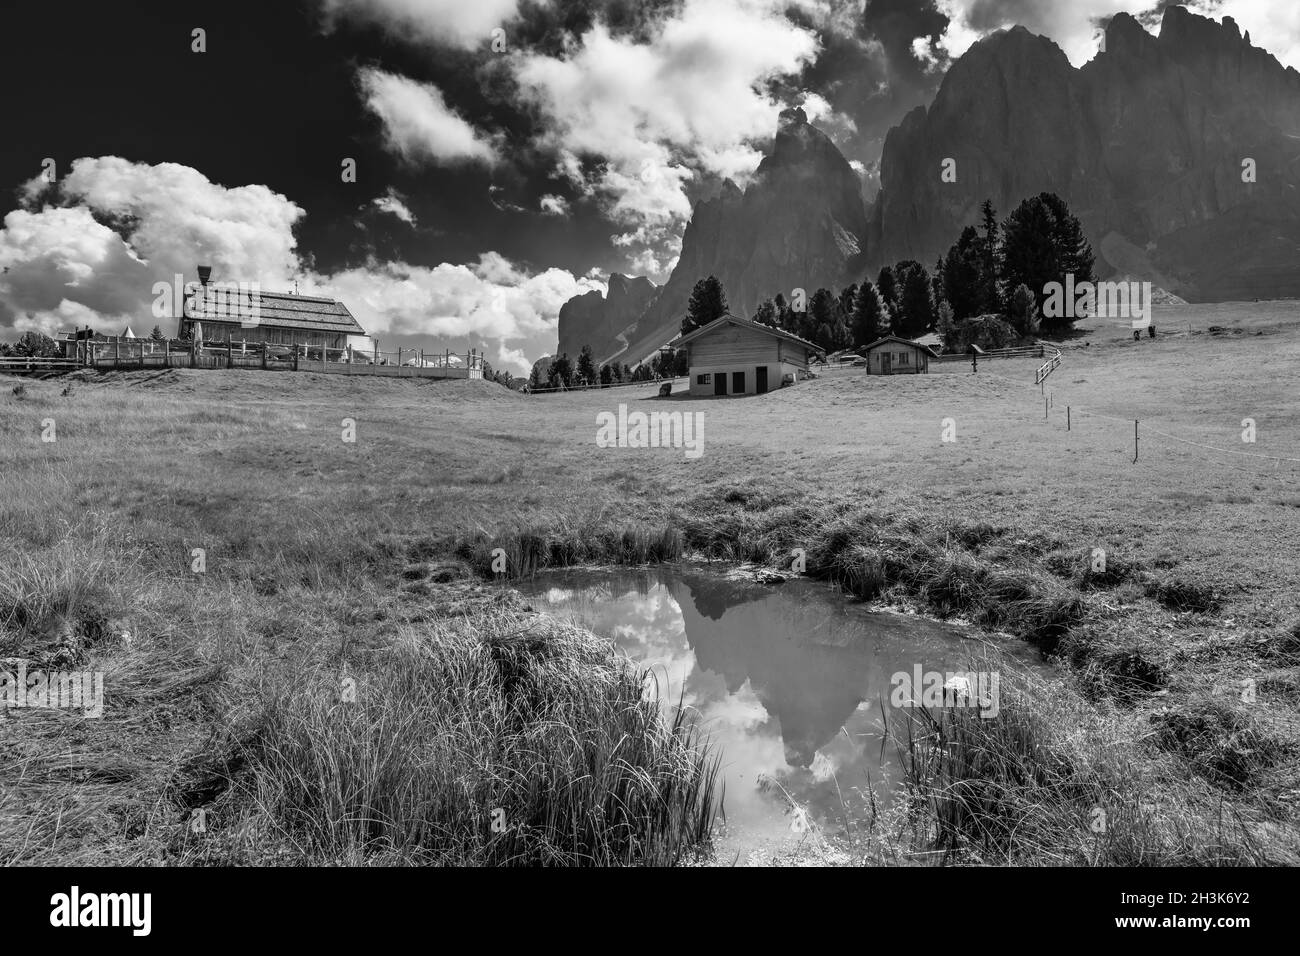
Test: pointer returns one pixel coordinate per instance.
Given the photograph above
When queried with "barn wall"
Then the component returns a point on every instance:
(214, 332)
(917, 360)
(776, 371)
(732, 345)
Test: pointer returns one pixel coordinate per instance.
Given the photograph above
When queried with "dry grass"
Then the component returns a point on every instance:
(320, 551)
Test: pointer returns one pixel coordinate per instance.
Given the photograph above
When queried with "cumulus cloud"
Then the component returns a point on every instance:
(113, 228)
(418, 123)
(492, 298)
(656, 111)
(554, 205)
(455, 23)
(93, 250)
(392, 203)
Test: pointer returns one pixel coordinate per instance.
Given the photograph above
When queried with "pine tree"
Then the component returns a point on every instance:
(561, 372)
(915, 313)
(1073, 248)
(991, 273)
(963, 275)
(887, 286)
(708, 302)
(766, 314)
(586, 366)
(869, 321)
(848, 296)
(1023, 310)
(1042, 243)
(946, 326)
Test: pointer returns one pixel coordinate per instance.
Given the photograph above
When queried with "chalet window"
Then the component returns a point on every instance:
(706, 379)
(902, 358)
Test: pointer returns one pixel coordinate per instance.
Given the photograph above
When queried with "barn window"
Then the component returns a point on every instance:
(706, 379)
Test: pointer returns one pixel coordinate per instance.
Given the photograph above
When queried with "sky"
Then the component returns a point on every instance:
(508, 154)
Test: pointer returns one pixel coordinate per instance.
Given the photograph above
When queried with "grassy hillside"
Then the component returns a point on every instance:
(329, 560)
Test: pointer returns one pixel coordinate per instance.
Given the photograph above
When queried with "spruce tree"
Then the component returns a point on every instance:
(708, 302)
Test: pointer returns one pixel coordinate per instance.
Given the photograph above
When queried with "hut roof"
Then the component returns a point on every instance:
(902, 341)
(272, 309)
(744, 324)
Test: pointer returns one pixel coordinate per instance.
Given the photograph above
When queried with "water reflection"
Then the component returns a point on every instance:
(789, 679)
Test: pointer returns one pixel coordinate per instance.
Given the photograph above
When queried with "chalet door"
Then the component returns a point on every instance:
(886, 363)
(738, 383)
(760, 379)
(719, 383)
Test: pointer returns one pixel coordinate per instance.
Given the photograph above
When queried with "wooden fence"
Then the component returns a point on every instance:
(1047, 368)
(126, 354)
(1024, 351)
(36, 366)
(597, 386)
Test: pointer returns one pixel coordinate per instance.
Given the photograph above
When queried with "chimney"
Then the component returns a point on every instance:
(205, 273)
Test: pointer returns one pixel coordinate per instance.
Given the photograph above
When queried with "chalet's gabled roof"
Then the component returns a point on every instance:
(271, 309)
(745, 324)
(902, 341)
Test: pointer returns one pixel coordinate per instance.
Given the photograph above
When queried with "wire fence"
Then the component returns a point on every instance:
(1282, 465)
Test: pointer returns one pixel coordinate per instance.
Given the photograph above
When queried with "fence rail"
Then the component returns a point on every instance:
(124, 353)
(596, 387)
(1023, 351)
(1047, 368)
(35, 364)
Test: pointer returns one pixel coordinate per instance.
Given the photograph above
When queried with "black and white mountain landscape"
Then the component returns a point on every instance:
(629, 434)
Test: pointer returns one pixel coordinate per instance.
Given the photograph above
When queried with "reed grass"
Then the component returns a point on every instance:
(506, 741)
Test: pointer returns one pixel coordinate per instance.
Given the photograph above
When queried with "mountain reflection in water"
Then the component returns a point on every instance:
(788, 679)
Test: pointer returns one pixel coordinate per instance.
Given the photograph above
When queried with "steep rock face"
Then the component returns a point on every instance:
(799, 224)
(1145, 142)
(600, 321)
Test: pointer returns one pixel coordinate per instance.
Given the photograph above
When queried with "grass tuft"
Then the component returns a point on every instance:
(541, 721)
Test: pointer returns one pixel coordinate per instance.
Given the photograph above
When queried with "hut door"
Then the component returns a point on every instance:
(886, 363)
(760, 379)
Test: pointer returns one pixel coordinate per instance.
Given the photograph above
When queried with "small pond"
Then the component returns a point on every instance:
(788, 678)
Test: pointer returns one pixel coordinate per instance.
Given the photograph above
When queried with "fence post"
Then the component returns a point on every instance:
(1067, 418)
(1135, 441)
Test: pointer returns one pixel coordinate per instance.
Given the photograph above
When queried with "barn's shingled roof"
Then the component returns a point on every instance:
(273, 310)
(736, 320)
(902, 341)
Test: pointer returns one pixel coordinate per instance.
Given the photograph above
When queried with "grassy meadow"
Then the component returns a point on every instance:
(347, 680)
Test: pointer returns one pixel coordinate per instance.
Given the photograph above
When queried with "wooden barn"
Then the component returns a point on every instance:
(734, 356)
(246, 314)
(893, 355)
